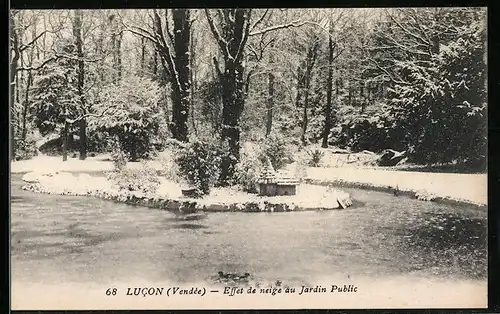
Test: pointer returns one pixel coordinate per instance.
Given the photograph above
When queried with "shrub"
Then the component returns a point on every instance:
(118, 155)
(300, 170)
(143, 179)
(374, 133)
(199, 162)
(25, 149)
(169, 168)
(135, 117)
(315, 156)
(275, 148)
(248, 169)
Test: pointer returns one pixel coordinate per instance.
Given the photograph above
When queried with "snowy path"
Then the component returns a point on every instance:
(468, 187)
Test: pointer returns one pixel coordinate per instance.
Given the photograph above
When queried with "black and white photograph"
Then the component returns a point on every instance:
(248, 158)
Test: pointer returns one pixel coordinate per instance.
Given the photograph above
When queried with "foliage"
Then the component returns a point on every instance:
(135, 116)
(440, 100)
(315, 156)
(409, 79)
(169, 168)
(248, 168)
(97, 141)
(143, 179)
(26, 149)
(435, 99)
(118, 155)
(55, 93)
(300, 170)
(276, 149)
(374, 133)
(199, 162)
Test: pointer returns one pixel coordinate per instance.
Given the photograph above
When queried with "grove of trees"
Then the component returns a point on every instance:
(409, 79)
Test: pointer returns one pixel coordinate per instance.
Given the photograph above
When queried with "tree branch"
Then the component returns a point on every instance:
(167, 27)
(244, 39)
(408, 32)
(222, 43)
(217, 68)
(296, 23)
(53, 58)
(166, 53)
(259, 20)
(88, 115)
(389, 75)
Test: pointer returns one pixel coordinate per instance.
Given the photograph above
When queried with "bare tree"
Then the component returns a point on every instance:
(173, 48)
(231, 29)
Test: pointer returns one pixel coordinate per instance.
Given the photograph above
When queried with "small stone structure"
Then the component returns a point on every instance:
(272, 183)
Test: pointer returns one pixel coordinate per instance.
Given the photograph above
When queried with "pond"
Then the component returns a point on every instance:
(58, 239)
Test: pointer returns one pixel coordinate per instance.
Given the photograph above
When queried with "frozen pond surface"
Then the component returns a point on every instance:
(56, 239)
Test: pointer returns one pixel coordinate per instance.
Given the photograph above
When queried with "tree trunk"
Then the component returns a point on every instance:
(270, 104)
(65, 141)
(25, 107)
(233, 102)
(83, 139)
(143, 55)
(77, 32)
(13, 76)
(155, 62)
(235, 27)
(119, 57)
(349, 95)
(329, 87)
(182, 81)
(311, 59)
(193, 82)
(305, 120)
(116, 39)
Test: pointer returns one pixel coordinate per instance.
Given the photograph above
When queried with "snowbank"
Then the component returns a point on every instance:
(168, 195)
(467, 188)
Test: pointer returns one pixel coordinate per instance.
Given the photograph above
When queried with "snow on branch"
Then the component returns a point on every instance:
(44, 63)
(88, 115)
(296, 23)
(166, 51)
(143, 33)
(418, 37)
(389, 75)
(259, 20)
(167, 27)
(244, 39)
(222, 43)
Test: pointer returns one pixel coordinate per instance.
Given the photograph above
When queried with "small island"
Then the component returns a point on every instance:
(168, 195)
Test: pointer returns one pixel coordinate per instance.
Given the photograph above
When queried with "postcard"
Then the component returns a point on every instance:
(243, 158)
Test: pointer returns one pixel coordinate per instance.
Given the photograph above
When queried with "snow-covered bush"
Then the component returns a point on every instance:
(199, 162)
(26, 149)
(276, 149)
(248, 169)
(374, 133)
(143, 179)
(315, 157)
(133, 115)
(169, 168)
(118, 155)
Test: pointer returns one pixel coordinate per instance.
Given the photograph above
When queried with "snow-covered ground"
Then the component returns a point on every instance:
(468, 187)
(458, 186)
(65, 183)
